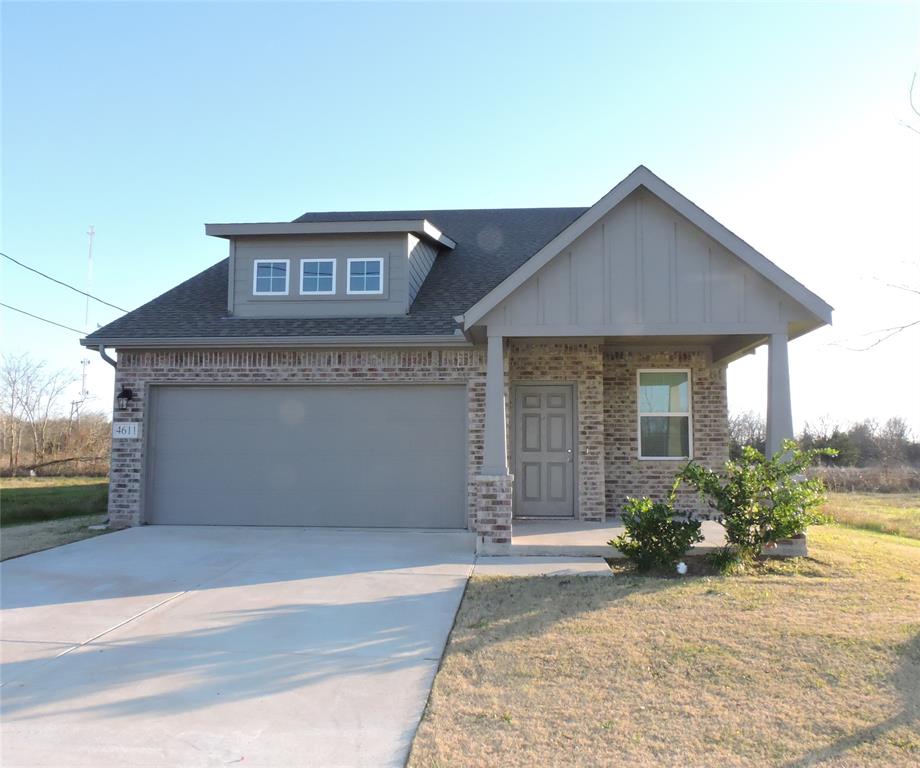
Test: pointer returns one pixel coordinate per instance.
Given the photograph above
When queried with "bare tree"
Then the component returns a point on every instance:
(748, 428)
(15, 373)
(29, 398)
(39, 399)
(893, 440)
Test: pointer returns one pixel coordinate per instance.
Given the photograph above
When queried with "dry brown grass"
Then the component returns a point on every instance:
(897, 513)
(34, 537)
(809, 662)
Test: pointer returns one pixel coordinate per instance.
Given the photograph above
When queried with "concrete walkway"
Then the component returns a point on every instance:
(541, 566)
(199, 646)
(574, 538)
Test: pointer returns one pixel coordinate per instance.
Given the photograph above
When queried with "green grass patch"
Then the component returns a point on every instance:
(32, 500)
(894, 513)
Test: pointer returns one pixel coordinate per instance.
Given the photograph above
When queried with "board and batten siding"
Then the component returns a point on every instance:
(421, 259)
(644, 269)
(391, 248)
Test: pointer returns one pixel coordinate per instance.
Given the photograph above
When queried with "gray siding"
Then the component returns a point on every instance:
(421, 258)
(392, 248)
(374, 455)
(645, 269)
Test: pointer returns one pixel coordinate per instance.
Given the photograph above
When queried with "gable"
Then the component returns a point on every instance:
(641, 266)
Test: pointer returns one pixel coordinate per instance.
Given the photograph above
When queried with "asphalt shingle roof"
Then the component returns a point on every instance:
(491, 244)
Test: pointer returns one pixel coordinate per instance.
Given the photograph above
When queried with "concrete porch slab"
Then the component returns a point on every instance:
(541, 566)
(577, 538)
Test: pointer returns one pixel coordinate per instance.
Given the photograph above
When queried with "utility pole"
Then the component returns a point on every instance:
(76, 405)
(89, 275)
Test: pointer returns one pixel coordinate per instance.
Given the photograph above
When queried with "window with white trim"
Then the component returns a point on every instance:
(317, 277)
(270, 277)
(365, 276)
(665, 429)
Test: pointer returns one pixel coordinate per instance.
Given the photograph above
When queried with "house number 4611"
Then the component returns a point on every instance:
(126, 430)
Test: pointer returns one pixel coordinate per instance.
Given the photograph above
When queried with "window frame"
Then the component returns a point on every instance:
(380, 260)
(318, 261)
(287, 277)
(688, 414)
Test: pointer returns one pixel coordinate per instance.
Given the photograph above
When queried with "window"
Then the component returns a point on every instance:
(664, 415)
(317, 276)
(270, 277)
(365, 276)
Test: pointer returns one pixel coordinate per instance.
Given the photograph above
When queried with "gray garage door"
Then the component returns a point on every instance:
(392, 456)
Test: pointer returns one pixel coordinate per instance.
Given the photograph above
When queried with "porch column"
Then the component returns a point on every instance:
(779, 402)
(495, 448)
(493, 484)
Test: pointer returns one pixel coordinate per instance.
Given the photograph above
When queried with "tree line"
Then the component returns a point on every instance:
(866, 443)
(35, 436)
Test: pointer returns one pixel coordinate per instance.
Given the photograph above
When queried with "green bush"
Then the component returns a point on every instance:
(655, 537)
(761, 500)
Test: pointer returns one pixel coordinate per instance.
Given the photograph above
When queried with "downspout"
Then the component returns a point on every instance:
(101, 350)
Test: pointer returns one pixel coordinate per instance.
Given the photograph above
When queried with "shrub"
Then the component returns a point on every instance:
(655, 537)
(760, 500)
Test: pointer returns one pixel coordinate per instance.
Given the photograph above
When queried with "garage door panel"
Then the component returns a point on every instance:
(322, 455)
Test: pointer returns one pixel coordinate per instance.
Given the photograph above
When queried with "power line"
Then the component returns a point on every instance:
(43, 319)
(59, 282)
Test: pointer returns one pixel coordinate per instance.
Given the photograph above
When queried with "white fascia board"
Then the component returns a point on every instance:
(643, 177)
(455, 340)
(437, 235)
(418, 226)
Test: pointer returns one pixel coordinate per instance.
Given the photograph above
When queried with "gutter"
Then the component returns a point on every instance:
(453, 340)
(102, 353)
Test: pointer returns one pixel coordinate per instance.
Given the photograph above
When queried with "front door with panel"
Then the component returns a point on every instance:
(544, 450)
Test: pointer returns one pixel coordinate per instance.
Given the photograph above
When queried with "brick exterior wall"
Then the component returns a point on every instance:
(493, 514)
(581, 364)
(138, 370)
(626, 474)
(608, 469)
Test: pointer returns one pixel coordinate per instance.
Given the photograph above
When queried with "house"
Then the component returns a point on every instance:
(446, 369)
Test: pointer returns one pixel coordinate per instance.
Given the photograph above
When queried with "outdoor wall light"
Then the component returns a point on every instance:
(123, 398)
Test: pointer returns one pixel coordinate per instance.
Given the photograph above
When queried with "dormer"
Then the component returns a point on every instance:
(328, 268)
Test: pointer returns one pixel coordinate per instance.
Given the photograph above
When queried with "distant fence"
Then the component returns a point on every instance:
(869, 479)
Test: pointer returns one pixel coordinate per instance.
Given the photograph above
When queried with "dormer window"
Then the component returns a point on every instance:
(270, 277)
(365, 276)
(317, 277)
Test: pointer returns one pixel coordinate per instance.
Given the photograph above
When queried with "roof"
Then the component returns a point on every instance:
(490, 245)
(495, 251)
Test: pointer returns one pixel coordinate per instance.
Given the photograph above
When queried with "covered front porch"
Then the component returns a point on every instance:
(565, 439)
(606, 360)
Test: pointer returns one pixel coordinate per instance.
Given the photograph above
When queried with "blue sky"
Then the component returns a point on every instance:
(147, 120)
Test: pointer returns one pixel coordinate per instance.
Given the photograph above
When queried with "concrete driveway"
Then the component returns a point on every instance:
(201, 646)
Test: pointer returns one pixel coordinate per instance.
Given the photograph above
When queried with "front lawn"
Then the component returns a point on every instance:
(36, 499)
(42, 512)
(897, 513)
(801, 662)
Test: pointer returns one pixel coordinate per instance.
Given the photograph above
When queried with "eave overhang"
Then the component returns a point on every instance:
(454, 340)
(420, 227)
